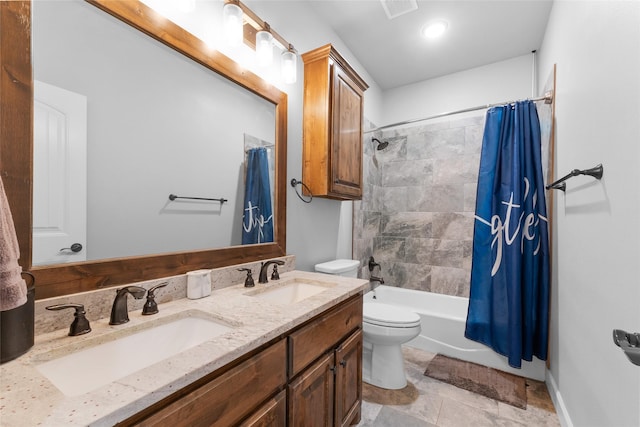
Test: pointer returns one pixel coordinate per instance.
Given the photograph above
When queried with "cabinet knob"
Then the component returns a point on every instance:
(343, 363)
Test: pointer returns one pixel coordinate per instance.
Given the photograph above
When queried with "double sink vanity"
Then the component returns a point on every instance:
(288, 352)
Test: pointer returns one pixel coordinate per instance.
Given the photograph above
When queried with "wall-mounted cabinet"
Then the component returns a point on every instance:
(332, 125)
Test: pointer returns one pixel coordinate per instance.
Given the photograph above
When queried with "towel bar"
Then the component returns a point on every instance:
(173, 197)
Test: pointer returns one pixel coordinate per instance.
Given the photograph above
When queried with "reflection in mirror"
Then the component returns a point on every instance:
(17, 152)
(257, 220)
(120, 122)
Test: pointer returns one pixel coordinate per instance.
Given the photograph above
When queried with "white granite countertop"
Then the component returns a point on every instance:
(30, 399)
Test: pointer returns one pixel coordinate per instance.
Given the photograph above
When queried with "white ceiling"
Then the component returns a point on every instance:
(393, 52)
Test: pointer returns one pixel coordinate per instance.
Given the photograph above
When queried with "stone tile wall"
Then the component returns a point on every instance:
(416, 213)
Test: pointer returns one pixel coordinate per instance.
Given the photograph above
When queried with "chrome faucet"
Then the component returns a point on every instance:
(262, 278)
(119, 310)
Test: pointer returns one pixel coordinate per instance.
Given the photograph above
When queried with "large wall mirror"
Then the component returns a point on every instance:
(161, 114)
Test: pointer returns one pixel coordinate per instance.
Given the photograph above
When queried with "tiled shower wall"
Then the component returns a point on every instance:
(416, 213)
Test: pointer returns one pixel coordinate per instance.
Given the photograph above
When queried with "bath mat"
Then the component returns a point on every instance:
(382, 396)
(489, 382)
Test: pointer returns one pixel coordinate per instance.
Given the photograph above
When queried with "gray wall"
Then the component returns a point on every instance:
(596, 265)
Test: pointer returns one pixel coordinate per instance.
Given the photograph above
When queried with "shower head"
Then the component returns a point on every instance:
(381, 145)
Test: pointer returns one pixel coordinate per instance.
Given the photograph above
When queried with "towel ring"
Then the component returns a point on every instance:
(33, 278)
(294, 183)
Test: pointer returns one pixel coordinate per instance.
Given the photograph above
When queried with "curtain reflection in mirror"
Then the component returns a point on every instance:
(257, 221)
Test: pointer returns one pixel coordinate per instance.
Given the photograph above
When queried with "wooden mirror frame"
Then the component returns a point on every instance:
(16, 154)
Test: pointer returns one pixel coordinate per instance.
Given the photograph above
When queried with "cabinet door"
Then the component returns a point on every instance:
(348, 384)
(311, 395)
(346, 138)
(323, 334)
(230, 397)
(271, 414)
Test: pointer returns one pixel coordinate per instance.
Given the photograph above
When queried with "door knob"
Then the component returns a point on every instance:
(76, 247)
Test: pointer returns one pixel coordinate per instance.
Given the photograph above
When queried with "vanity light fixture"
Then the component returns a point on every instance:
(434, 29)
(232, 23)
(289, 65)
(264, 47)
(259, 35)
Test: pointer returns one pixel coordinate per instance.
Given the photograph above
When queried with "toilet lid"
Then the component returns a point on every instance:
(389, 315)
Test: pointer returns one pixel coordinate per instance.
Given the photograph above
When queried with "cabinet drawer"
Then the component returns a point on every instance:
(319, 336)
(271, 414)
(230, 397)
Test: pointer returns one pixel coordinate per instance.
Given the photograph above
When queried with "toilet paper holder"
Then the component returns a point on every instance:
(629, 343)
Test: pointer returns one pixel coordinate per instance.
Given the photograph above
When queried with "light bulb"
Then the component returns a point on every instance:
(232, 23)
(289, 66)
(434, 29)
(264, 48)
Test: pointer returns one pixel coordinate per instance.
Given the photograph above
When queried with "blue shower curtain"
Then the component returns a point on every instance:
(257, 219)
(509, 297)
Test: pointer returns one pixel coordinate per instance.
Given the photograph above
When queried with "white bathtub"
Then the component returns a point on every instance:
(443, 320)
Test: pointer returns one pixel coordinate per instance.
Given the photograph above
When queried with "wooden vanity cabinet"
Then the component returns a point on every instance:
(311, 376)
(332, 125)
(228, 398)
(325, 362)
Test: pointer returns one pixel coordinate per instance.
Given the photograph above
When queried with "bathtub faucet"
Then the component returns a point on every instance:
(376, 279)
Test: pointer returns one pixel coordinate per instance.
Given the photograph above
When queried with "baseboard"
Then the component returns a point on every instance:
(556, 397)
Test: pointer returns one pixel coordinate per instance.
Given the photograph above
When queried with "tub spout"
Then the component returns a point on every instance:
(376, 279)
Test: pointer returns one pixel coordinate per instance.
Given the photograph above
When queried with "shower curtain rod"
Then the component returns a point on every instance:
(547, 98)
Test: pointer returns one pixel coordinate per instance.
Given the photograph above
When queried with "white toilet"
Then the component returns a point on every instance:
(385, 329)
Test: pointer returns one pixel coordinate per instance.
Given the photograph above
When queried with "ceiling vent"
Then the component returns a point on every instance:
(395, 8)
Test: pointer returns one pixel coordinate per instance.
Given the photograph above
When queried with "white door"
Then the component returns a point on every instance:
(59, 175)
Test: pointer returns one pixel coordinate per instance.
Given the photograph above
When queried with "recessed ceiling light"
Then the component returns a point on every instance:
(434, 29)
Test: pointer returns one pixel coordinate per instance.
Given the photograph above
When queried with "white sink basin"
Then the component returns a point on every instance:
(291, 292)
(86, 370)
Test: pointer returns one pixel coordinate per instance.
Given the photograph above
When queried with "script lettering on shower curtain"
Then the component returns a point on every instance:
(500, 228)
(255, 221)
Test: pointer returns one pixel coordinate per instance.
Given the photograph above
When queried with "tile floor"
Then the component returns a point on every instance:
(444, 405)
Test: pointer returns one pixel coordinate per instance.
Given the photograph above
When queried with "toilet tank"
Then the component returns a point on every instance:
(339, 267)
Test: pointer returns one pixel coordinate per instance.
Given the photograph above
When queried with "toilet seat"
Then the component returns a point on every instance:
(389, 316)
